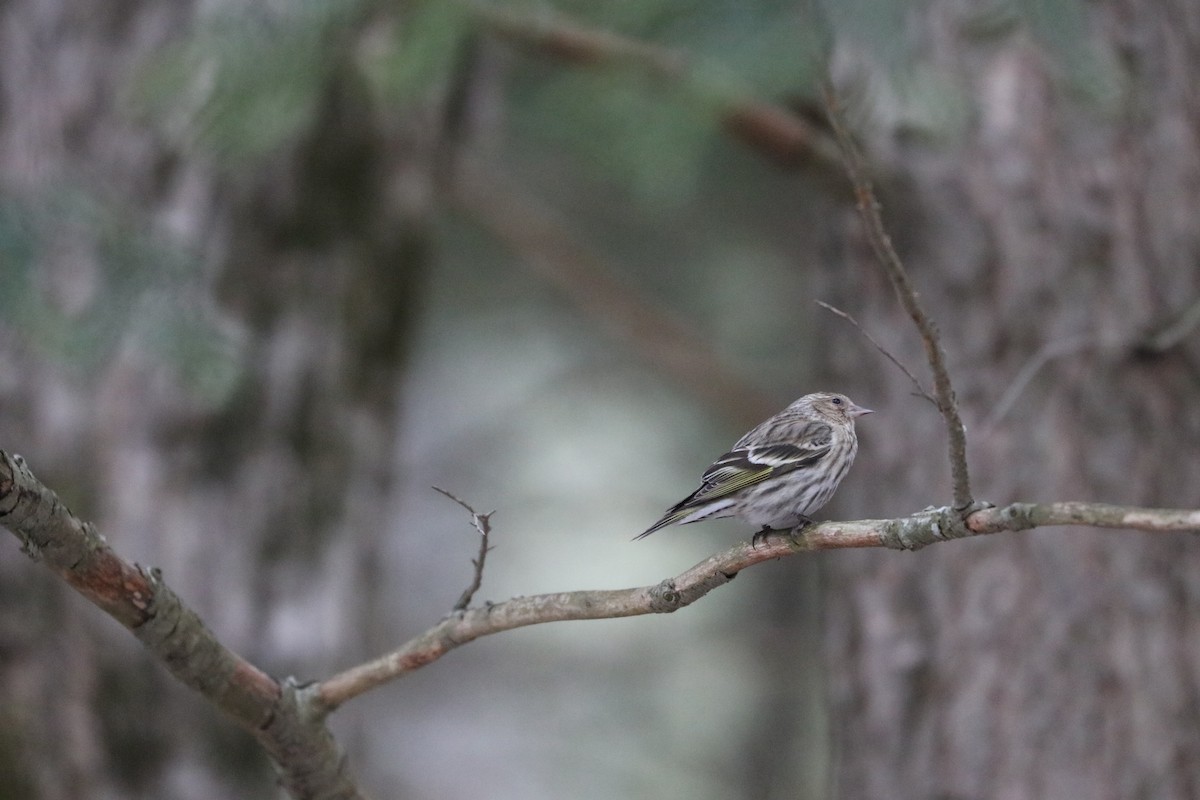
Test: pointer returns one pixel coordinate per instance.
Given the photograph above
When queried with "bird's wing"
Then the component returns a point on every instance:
(746, 466)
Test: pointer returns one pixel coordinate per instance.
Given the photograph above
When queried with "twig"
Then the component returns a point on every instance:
(1172, 334)
(920, 389)
(672, 594)
(881, 243)
(483, 524)
(1157, 342)
(1041, 358)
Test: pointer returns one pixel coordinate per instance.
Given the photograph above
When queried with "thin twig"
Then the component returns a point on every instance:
(483, 524)
(1044, 356)
(881, 243)
(1172, 334)
(920, 389)
(1159, 341)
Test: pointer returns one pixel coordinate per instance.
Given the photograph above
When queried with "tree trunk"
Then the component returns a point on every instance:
(1060, 232)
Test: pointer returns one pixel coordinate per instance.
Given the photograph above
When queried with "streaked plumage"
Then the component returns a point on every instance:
(780, 472)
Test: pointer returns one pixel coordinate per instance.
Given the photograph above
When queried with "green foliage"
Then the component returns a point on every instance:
(403, 60)
(49, 289)
(77, 280)
(620, 131)
(1088, 69)
(878, 27)
(243, 84)
(625, 124)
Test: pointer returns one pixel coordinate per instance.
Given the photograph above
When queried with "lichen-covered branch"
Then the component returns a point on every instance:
(881, 243)
(907, 533)
(310, 764)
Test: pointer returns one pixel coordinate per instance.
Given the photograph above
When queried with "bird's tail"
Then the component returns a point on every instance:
(667, 519)
(686, 512)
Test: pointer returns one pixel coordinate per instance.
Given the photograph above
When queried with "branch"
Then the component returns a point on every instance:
(288, 720)
(281, 717)
(881, 243)
(771, 130)
(483, 524)
(672, 594)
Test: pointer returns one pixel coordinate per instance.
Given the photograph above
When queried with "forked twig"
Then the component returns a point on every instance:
(483, 524)
(920, 389)
(881, 243)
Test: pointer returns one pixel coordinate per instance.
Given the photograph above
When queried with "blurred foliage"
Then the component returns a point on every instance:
(244, 83)
(78, 280)
(1061, 27)
(403, 60)
(619, 132)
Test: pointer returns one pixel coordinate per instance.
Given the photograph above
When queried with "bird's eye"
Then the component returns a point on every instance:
(837, 401)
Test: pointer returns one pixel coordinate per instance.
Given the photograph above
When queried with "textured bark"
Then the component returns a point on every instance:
(1043, 665)
(317, 260)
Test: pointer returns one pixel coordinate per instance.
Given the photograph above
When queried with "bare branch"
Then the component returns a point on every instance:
(483, 524)
(881, 243)
(288, 720)
(920, 389)
(672, 594)
(774, 131)
(281, 717)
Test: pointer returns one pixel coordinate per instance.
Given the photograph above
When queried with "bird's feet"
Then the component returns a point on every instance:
(767, 530)
(761, 536)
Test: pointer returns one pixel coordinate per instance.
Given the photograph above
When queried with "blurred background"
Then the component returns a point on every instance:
(270, 271)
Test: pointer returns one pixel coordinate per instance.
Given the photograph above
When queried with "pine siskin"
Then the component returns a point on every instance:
(780, 472)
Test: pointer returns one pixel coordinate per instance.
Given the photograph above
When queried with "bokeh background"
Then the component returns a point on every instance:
(270, 271)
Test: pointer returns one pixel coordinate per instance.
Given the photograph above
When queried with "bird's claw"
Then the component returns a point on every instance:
(761, 536)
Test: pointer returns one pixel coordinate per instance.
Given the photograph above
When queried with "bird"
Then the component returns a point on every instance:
(778, 473)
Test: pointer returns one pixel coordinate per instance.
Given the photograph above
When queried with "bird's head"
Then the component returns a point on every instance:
(833, 407)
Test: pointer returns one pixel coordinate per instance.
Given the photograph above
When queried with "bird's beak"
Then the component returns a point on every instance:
(857, 411)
